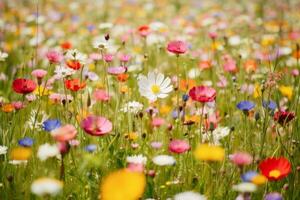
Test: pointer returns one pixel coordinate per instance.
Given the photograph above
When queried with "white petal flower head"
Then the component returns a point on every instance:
(62, 72)
(74, 54)
(3, 55)
(164, 160)
(46, 186)
(132, 107)
(47, 151)
(137, 159)
(154, 86)
(3, 150)
(245, 187)
(189, 195)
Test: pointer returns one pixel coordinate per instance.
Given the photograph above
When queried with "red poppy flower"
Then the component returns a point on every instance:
(283, 117)
(275, 168)
(74, 84)
(23, 86)
(73, 64)
(66, 45)
(144, 30)
(122, 77)
(203, 94)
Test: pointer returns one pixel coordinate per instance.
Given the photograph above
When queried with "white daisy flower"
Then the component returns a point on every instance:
(163, 160)
(47, 151)
(74, 54)
(154, 86)
(62, 72)
(245, 187)
(234, 40)
(137, 159)
(3, 55)
(189, 195)
(46, 186)
(3, 150)
(217, 134)
(132, 107)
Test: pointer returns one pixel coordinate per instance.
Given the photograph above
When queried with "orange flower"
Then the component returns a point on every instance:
(186, 84)
(7, 108)
(275, 168)
(73, 64)
(205, 64)
(122, 77)
(66, 45)
(74, 84)
(250, 65)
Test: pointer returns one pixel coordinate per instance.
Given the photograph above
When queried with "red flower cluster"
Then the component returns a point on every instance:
(23, 86)
(283, 117)
(74, 84)
(73, 64)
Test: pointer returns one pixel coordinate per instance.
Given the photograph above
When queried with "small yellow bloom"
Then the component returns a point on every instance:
(20, 153)
(124, 89)
(165, 109)
(92, 67)
(123, 184)
(133, 136)
(257, 91)
(207, 152)
(259, 179)
(286, 91)
(41, 91)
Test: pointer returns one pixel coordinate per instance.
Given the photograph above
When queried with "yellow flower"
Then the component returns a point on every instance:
(165, 109)
(20, 153)
(259, 179)
(123, 184)
(209, 152)
(286, 91)
(41, 91)
(132, 135)
(257, 91)
(92, 67)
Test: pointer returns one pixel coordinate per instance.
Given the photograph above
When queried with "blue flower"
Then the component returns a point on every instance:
(185, 97)
(248, 176)
(26, 142)
(91, 148)
(51, 124)
(271, 105)
(245, 105)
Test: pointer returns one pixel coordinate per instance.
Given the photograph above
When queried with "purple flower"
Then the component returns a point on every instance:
(245, 105)
(273, 196)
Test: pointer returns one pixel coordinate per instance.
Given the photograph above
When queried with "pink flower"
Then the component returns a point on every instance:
(135, 167)
(157, 122)
(55, 97)
(125, 58)
(177, 47)
(213, 35)
(203, 94)
(230, 66)
(241, 158)
(18, 105)
(295, 72)
(156, 145)
(108, 57)
(39, 73)
(179, 146)
(95, 56)
(116, 70)
(101, 95)
(222, 82)
(54, 56)
(96, 126)
(74, 143)
(64, 133)
(63, 147)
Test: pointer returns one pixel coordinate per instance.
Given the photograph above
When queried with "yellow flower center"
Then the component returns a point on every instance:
(274, 173)
(155, 89)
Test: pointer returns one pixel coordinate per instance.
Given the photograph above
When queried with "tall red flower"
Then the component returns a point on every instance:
(66, 45)
(74, 84)
(283, 117)
(203, 94)
(23, 86)
(177, 47)
(144, 30)
(275, 168)
(73, 64)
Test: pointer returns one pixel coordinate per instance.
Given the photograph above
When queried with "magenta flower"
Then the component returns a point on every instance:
(157, 122)
(54, 56)
(96, 126)
(179, 146)
(203, 94)
(108, 57)
(241, 158)
(177, 47)
(39, 73)
(116, 70)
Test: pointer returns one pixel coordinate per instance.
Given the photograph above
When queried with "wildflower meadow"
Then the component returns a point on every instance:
(149, 99)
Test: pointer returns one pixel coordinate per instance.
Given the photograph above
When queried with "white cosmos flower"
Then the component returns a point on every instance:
(154, 86)
(46, 186)
(245, 187)
(217, 134)
(62, 72)
(132, 107)
(163, 160)
(3, 150)
(3, 55)
(137, 159)
(189, 195)
(47, 151)
(74, 54)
